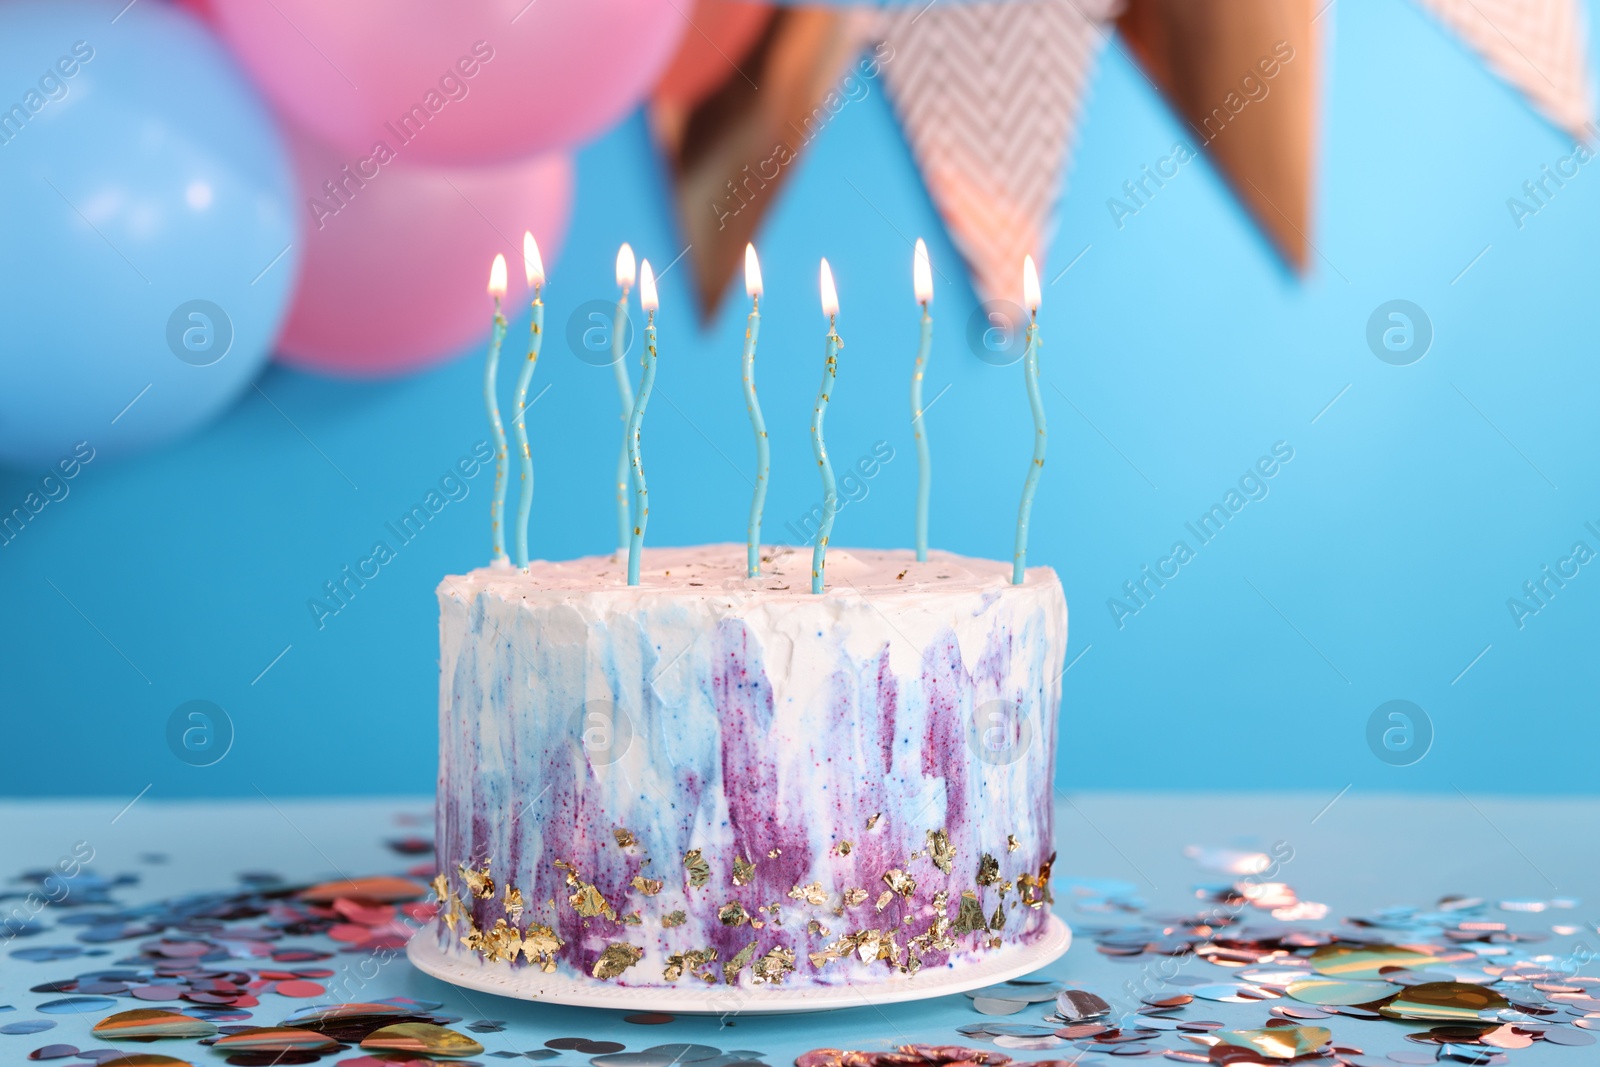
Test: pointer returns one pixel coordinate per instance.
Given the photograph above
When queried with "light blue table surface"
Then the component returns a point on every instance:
(1358, 854)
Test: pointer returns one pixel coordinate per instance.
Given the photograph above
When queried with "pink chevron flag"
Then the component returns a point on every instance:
(988, 95)
(1536, 45)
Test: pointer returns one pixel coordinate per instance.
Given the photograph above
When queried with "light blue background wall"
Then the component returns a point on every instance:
(1378, 567)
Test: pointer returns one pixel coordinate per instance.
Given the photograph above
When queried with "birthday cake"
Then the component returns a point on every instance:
(708, 779)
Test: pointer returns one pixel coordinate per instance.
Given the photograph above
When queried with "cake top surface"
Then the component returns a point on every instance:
(785, 574)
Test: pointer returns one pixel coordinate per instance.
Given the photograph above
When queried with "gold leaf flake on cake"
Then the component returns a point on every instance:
(988, 870)
(741, 960)
(500, 943)
(997, 921)
(588, 902)
(774, 853)
(873, 820)
(883, 899)
(648, 886)
(732, 914)
(743, 871)
(843, 848)
(940, 850)
(969, 915)
(775, 966)
(512, 902)
(811, 894)
(1011, 843)
(817, 929)
(674, 918)
(479, 884)
(854, 897)
(625, 838)
(633, 918)
(441, 887)
(679, 962)
(699, 870)
(941, 901)
(617, 957)
(540, 944)
(900, 882)
(454, 913)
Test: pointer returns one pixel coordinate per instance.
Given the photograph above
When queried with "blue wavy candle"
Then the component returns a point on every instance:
(535, 271)
(758, 425)
(497, 504)
(647, 381)
(1030, 372)
(619, 368)
(819, 447)
(922, 284)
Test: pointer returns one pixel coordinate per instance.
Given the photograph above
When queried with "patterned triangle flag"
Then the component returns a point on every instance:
(1536, 45)
(988, 95)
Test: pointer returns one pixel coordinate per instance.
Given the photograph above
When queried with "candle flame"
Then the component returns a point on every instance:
(647, 287)
(1030, 284)
(532, 262)
(830, 295)
(625, 266)
(752, 272)
(921, 273)
(497, 277)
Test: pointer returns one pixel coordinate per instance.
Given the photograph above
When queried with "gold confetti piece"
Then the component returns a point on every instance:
(648, 886)
(900, 882)
(151, 1023)
(988, 870)
(479, 884)
(853, 897)
(276, 1039)
(379, 889)
(883, 899)
(1364, 962)
(940, 850)
(733, 914)
(1011, 843)
(617, 957)
(873, 821)
(1445, 1002)
(741, 960)
(676, 918)
(775, 966)
(743, 871)
(699, 870)
(811, 894)
(512, 902)
(1279, 1042)
(625, 838)
(426, 1038)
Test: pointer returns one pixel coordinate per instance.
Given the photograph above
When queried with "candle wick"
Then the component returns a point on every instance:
(755, 303)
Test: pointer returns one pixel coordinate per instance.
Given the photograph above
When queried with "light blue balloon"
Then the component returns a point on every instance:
(149, 242)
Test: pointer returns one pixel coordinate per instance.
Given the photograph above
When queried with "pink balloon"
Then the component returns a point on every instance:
(393, 273)
(465, 82)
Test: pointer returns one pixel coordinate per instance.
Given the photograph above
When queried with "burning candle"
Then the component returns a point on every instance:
(533, 265)
(647, 300)
(619, 327)
(830, 495)
(922, 285)
(1030, 372)
(752, 288)
(497, 289)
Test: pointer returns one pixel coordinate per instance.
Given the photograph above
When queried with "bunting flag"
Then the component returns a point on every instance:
(1536, 45)
(1243, 75)
(769, 82)
(988, 95)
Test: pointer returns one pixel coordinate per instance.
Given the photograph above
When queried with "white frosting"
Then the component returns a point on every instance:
(745, 716)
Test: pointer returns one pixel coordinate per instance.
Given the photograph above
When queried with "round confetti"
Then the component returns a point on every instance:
(631, 1059)
(1326, 992)
(585, 1046)
(28, 1026)
(990, 1006)
(157, 992)
(298, 988)
(1170, 1000)
(1559, 1036)
(53, 1052)
(1407, 1056)
(647, 1018)
(685, 1053)
(77, 1005)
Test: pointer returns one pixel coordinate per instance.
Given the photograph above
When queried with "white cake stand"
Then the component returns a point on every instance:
(530, 983)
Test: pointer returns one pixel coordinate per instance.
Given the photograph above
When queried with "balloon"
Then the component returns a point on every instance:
(149, 240)
(396, 267)
(468, 82)
(729, 29)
